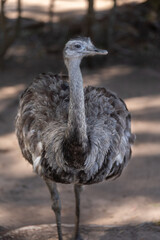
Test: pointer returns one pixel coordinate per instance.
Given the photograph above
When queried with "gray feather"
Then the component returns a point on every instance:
(41, 126)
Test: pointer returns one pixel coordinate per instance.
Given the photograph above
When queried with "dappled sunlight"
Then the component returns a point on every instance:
(24, 213)
(135, 210)
(120, 70)
(143, 103)
(150, 127)
(139, 106)
(148, 149)
(8, 93)
(140, 179)
(8, 142)
(107, 75)
(39, 10)
(5, 214)
(11, 91)
(19, 52)
(12, 162)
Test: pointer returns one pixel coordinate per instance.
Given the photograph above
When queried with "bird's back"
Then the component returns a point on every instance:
(42, 122)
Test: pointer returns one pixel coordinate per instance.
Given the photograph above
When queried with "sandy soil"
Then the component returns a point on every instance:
(131, 199)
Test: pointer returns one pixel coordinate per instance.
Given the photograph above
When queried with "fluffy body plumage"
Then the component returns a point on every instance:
(42, 123)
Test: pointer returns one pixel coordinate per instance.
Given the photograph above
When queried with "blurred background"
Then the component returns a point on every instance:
(32, 37)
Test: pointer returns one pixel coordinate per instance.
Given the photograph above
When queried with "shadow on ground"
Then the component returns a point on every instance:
(146, 231)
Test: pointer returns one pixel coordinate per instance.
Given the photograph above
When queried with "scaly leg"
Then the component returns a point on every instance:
(77, 191)
(56, 205)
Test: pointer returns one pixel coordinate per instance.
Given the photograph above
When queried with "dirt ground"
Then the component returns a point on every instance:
(132, 199)
(146, 231)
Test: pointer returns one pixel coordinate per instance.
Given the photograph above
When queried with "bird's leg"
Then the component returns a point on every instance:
(77, 191)
(56, 205)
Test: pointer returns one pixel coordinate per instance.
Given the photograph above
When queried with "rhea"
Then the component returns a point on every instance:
(71, 134)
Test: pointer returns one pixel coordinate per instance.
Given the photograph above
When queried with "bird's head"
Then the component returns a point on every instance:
(81, 47)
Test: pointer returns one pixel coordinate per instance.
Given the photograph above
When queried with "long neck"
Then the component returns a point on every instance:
(76, 119)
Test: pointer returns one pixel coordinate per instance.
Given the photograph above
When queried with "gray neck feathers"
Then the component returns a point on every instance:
(76, 119)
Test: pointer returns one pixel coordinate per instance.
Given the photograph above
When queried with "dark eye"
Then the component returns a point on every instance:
(77, 45)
